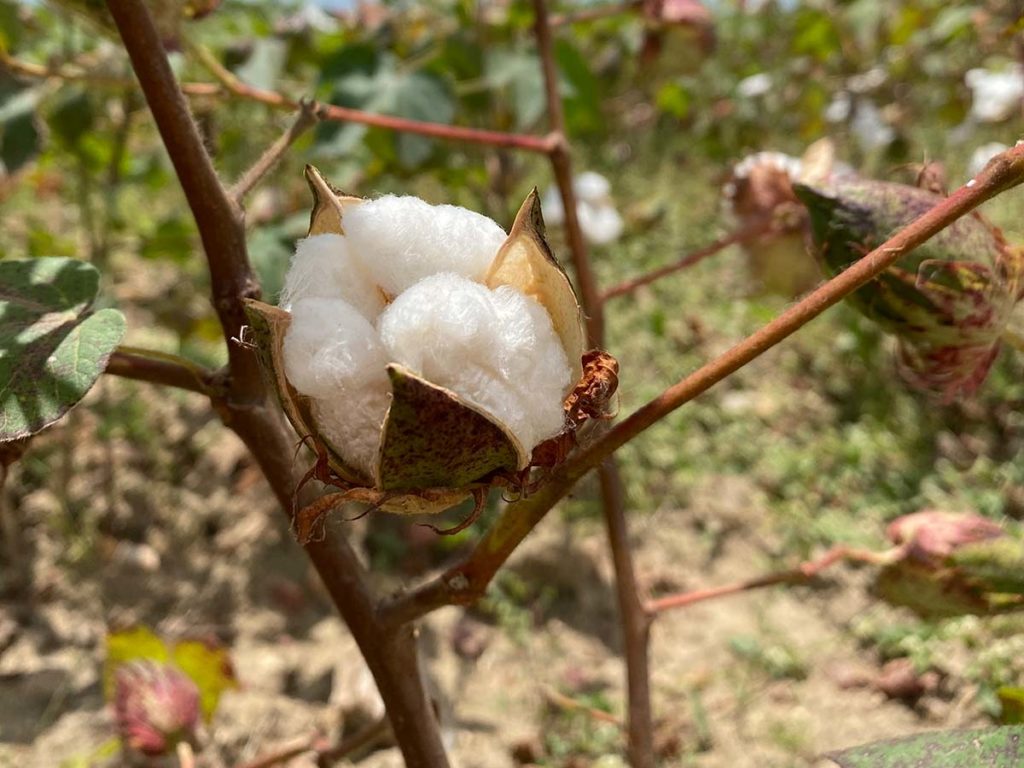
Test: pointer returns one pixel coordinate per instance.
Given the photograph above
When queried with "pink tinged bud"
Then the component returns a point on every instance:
(930, 536)
(156, 706)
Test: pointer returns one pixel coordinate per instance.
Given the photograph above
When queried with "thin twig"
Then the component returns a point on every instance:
(567, 702)
(364, 738)
(285, 752)
(304, 120)
(467, 581)
(161, 368)
(73, 73)
(742, 235)
(799, 575)
(541, 144)
(218, 219)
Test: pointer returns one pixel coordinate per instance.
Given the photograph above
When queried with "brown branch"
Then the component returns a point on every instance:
(304, 120)
(390, 654)
(742, 235)
(635, 623)
(802, 574)
(159, 368)
(541, 144)
(219, 220)
(325, 755)
(71, 73)
(467, 580)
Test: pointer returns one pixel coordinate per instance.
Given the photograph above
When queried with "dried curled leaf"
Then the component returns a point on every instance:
(526, 263)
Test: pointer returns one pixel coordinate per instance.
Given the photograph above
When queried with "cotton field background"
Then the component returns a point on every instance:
(143, 558)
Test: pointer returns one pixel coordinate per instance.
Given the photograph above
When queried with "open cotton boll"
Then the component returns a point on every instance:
(601, 224)
(351, 420)
(497, 349)
(322, 267)
(401, 240)
(329, 346)
(592, 187)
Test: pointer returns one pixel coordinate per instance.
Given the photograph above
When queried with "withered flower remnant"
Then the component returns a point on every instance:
(425, 352)
(156, 706)
(947, 302)
(949, 564)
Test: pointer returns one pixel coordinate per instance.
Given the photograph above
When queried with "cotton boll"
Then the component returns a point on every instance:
(601, 224)
(323, 267)
(995, 96)
(870, 130)
(329, 346)
(351, 420)
(496, 349)
(401, 240)
(592, 187)
(551, 205)
(981, 156)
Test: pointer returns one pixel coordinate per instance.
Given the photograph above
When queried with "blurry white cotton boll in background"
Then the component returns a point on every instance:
(497, 349)
(869, 128)
(981, 156)
(755, 85)
(599, 220)
(995, 95)
(401, 240)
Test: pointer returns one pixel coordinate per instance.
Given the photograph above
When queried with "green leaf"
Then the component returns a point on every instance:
(20, 139)
(52, 348)
(209, 668)
(265, 63)
(991, 748)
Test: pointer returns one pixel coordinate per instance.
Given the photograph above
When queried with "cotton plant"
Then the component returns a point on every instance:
(426, 352)
(996, 95)
(948, 303)
(758, 191)
(599, 219)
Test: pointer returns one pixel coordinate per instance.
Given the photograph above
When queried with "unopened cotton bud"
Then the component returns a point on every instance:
(401, 240)
(323, 267)
(156, 706)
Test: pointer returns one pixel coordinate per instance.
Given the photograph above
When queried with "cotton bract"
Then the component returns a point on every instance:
(420, 345)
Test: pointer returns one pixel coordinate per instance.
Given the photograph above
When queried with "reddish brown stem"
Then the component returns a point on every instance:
(742, 235)
(154, 368)
(390, 653)
(799, 575)
(541, 144)
(218, 219)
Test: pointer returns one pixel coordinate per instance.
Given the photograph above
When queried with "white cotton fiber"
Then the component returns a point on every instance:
(323, 267)
(330, 346)
(592, 187)
(401, 240)
(351, 421)
(333, 355)
(495, 348)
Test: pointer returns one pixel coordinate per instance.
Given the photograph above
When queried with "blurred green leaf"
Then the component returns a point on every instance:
(72, 117)
(265, 63)
(52, 348)
(1011, 700)
(993, 748)
(209, 668)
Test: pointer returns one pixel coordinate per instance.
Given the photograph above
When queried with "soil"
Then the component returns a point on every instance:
(174, 529)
